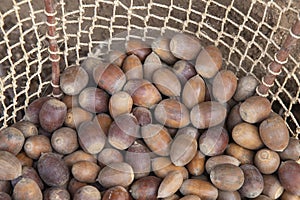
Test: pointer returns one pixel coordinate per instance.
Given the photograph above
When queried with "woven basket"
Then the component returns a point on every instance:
(249, 33)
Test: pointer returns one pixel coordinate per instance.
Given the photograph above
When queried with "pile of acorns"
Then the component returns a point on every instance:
(154, 122)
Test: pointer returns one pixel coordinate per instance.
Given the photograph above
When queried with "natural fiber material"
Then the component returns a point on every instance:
(249, 33)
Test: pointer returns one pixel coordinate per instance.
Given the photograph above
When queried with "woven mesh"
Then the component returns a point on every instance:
(248, 33)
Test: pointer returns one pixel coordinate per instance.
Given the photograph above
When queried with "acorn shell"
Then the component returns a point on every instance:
(170, 184)
(120, 103)
(27, 128)
(57, 193)
(64, 140)
(109, 155)
(85, 171)
(203, 189)
(24, 159)
(104, 121)
(289, 176)
(272, 186)
(33, 110)
(36, 145)
(132, 67)
(226, 195)
(138, 47)
(224, 85)
(245, 156)
(196, 165)
(184, 70)
(267, 161)
(245, 88)
(94, 100)
(4, 196)
(161, 46)
(27, 188)
(11, 140)
(76, 115)
(116, 57)
(193, 92)
(143, 115)
(145, 188)
(151, 64)
(116, 193)
(292, 151)
(87, 192)
(10, 166)
(233, 117)
(77, 156)
(218, 160)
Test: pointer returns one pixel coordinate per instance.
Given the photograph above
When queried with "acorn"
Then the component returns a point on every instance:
(224, 85)
(11, 140)
(145, 188)
(116, 193)
(157, 139)
(143, 92)
(162, 78)
(70, 101)
(26, 127)
(76, 115)
(74, 185)
(73, 79)
(4, 196)
(292, 151)
(10, 166)
(29, 172)
(132, 67)
(5, 186)
(267, 161)
(233, 117)
(274, 133)
(289, 176)
(25, 189)
(245, 156)
(123, 131)
(255, 109)
(138, 47)
(85, 171)
(33, 110)
(77, 156)
(161, 46)
(193, 92)
(64, 140)
(36, 145)
(227, 177)
(184, 46)
(262, 197)
(213, 141)
(94, 100)
(196, 165)
(226, 195)
(176, 197)
(203, 189)
(188, 130)
(247, 136)
(56, 193)
(87, 192)
(219, 160)
(184, 70)
(245, 88)
(104, 121)
(183, 149)
(143, 115)
(24, 159)
(170, 184)
(162, 166)
(52, 169)
(272, 186)
(289, 196)
(52, 115)
(207, 114)
(172, 113)
(109, 155)
(120, 103)
(115, 174)
(109, 77)
(89, 64)
(151, 64)
(190, 197)
(138, 157)
(116, 57)
(253, 184)
(90, 137)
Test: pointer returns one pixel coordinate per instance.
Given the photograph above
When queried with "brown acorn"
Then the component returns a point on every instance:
(213, 141)
(120, 103)
(190, 197)
(226, 195)
(64, 140)
(267, 161)
(70, 101)
(109, 77)
(162, 78)
(76, 115)
(74, 185)
(207, 114)
(89, 64)
(10, 166)
(245, 88)
(87, 192)
(255, 109)
(25, 189)
(4, 196)
(24, 159)
(123, 131)
(138, 47)
(36, 145)
(85, 171)
(143, 115)
(253, 184)
(73, 79)
(33, 110)
(52, 169)
(224, 85)
(116, 193)
(219, 160)
(289, 176)
(272, 186)
(209, 61)
(91, 137)
(233, 117)
(196, 166)
(26, 127)
(56, 193)
(245, 156)
(193, 92)
(52, 115)
(104, 121)
(30, 172)
(203, 189)
(94, 100)
(188, 130)
(77, 156)
(143, 92)
(184, 46)
(274, 133)
(161, 46)
(292, 151)
(157, 139)
(176, 197)
(132, 67)
(247, 136)
(262, 197)
(151, 64)
(116, 57)
(5, 186)
(145, 188)
(289, 196)
(170, 184)
(227, 177)
(184, 70)
(116, 174)
(109, 155)
(11, 140)
(172, 113)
